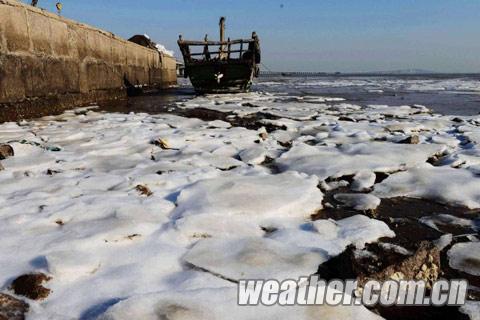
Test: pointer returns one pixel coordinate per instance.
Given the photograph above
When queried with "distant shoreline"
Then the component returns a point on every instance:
(369, 74)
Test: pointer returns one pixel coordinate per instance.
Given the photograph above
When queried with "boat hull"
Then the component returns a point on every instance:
(220, 76)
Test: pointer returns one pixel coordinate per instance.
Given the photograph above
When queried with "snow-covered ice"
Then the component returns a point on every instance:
(444, 184)
(350, 159)
(358, 201)
(465, 257)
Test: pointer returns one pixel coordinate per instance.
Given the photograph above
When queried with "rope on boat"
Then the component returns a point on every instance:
(263, 65)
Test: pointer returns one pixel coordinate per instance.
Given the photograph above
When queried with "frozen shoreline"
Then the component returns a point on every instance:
(71, 206)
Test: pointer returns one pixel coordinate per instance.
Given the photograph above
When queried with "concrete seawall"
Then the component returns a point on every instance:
(49, 63)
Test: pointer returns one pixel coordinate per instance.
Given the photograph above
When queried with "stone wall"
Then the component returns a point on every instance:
(49, 63)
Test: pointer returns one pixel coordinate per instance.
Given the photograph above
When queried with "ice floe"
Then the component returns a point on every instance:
(325, 162)
(440, 220)
(358, 201)
(332, 236)
(444, 184)
(253, 258)
(257, 198)
(465, 257)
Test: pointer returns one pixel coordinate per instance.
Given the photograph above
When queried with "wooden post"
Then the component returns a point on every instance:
(229, 49)
(222, 37)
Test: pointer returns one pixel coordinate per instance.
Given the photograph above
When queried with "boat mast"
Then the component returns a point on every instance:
(222, 37)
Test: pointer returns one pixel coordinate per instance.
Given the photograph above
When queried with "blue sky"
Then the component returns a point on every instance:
(322, 35)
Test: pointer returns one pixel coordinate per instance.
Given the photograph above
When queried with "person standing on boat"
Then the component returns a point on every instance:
(206, 53)
(253, 51)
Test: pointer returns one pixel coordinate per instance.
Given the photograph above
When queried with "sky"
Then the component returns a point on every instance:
(301, 35)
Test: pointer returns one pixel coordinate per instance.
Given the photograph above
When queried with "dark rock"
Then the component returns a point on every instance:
(144, 190)
(263, 135)
(162, 143)
(6, 151)
(381, 264)
(286, 144)
(414, 139)
(12, 308)
(424, 265)
(51, 172)
(30, 286)
(346, 118)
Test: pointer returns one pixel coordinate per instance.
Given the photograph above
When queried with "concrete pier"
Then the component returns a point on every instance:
(49, 63)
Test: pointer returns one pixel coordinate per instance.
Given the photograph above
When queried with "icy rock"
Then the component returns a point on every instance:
(358, 201)
(253, 155)
(257, 197)
(363, 180)
(220, 304)
(253, 258)
(465, 257)
(334, 185)
(444, 184)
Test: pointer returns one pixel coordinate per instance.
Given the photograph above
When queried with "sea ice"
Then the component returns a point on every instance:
(363, 180)
(437, 221)
(332, 236)
(255, 197)
(465, 257)
(358, 201)
(335, 162)
(254, 258)
(444, 184)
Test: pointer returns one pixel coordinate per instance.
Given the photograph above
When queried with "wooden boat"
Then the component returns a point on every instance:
(221, 66)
